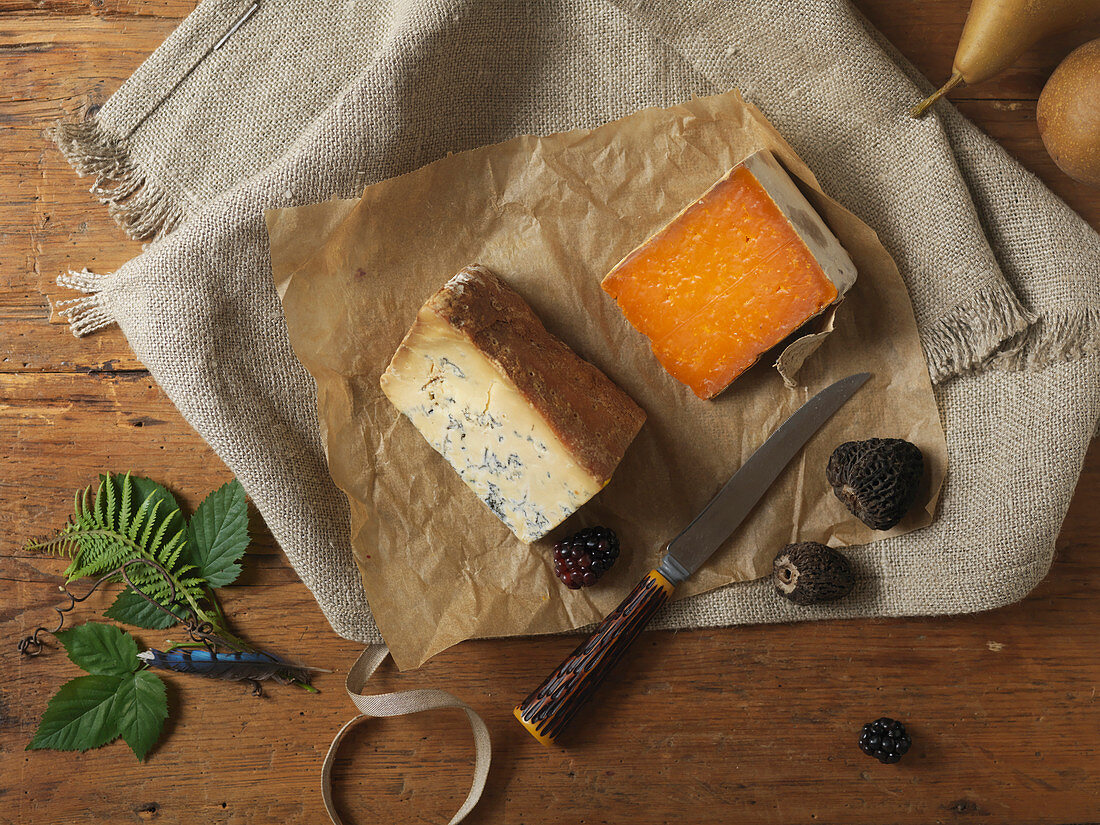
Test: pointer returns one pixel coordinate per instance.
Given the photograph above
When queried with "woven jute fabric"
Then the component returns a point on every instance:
(308, 101)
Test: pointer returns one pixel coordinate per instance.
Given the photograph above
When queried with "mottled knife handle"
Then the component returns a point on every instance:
(554, 703)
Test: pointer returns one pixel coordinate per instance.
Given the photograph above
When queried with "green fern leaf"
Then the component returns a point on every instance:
(112, 501)
(150, 522)
(98, 504)
(153, 547)
(101, 551)
(170, 553)
(169, 508)
(124, 507)
(106, 532)
(145, 514)
(83, 520)
(129, 518)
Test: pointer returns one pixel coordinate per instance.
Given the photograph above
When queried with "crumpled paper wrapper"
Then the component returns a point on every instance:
(552, 215)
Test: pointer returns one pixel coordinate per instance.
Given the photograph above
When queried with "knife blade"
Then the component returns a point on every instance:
(716, 522)
(547, 711)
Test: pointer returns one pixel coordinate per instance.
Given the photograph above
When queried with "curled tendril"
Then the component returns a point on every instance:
(32, 645)
(199, 631)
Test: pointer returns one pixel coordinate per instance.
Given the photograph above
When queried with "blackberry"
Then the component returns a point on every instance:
(885, 739)
(580, 559)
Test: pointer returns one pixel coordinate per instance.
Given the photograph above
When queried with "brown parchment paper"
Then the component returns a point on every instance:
(551, 215)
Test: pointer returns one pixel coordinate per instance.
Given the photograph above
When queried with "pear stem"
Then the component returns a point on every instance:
(923, 106)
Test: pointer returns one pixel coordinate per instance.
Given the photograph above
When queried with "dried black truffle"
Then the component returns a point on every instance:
(809, 572)
(877, 479)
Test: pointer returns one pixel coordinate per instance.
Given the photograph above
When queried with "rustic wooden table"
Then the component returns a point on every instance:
(751, 724)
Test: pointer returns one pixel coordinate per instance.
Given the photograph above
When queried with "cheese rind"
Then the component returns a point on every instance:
(822, 244)
(736, 272)
(529, 426)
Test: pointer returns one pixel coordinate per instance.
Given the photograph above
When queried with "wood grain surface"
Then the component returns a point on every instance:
(752, 724)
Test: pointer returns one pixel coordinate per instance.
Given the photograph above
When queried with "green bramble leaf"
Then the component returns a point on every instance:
(217, 535)
(130, 608)
(100, 649)
(141, 707)
(80, 716)
(117, 699)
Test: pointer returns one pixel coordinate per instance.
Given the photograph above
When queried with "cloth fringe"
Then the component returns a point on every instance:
(993, 330)
(1066, 336)
(992, 324)
(137, 203)
(85, 315)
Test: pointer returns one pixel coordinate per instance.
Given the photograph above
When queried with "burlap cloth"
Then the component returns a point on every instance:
(307, 101)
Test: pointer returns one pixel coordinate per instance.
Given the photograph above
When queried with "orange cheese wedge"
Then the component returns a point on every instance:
(731, 276)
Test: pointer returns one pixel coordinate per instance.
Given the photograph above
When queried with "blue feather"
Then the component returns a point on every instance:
(255, 667)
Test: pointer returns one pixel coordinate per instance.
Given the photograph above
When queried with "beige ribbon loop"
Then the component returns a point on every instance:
(402, 704)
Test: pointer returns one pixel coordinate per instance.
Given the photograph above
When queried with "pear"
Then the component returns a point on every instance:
(1069, 114)
(999, 31)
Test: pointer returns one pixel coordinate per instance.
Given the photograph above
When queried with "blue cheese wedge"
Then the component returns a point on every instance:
(534, 430)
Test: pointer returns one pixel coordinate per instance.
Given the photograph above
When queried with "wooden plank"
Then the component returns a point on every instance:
(64, 429)
(173, 10)
(57, 66)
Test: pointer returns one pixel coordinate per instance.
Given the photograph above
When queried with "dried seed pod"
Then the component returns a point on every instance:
(877, 479)
(809, 572)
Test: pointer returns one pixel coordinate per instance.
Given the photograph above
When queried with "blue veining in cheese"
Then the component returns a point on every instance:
(473, 415)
